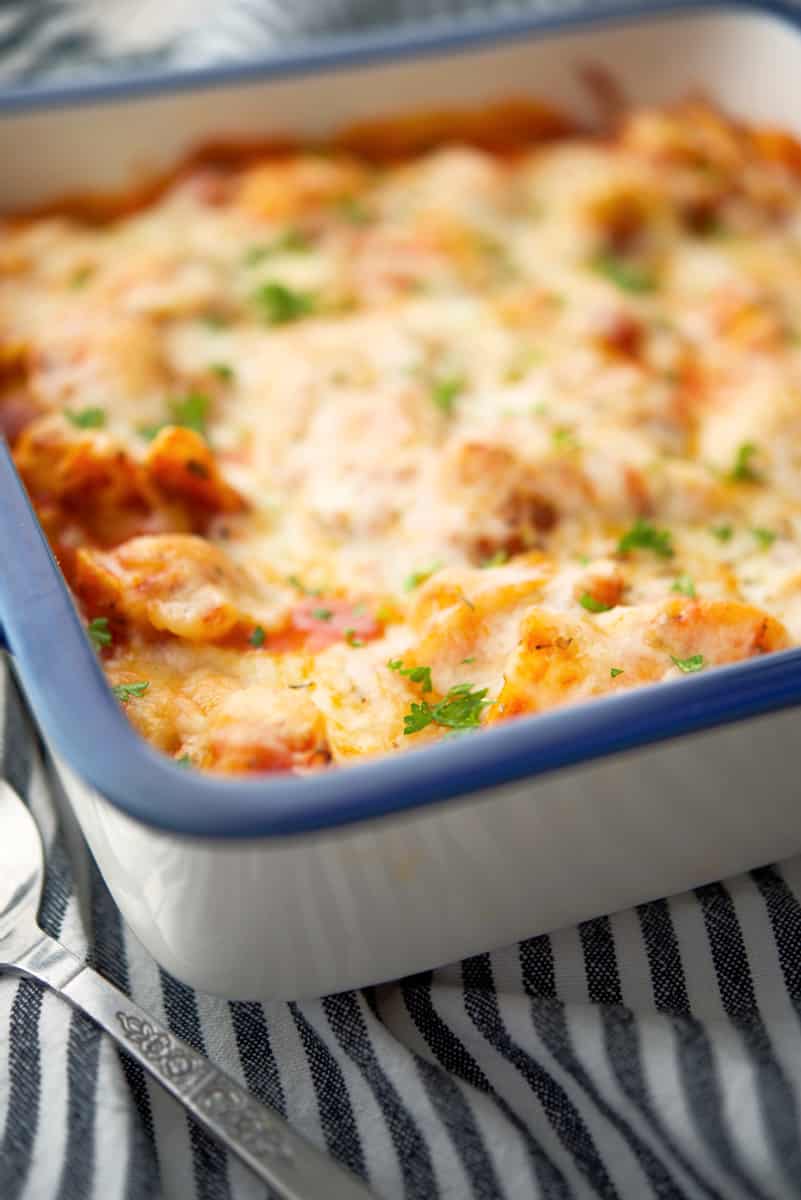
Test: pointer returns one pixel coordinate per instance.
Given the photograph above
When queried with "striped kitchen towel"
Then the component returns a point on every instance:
(65, 39)
(656, 1052)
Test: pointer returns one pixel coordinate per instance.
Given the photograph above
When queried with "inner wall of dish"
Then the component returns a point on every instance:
(746, 61)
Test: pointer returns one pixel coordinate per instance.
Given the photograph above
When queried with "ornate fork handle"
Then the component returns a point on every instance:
(293, 1168)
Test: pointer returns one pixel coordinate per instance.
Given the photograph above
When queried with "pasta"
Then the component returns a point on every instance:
(342, 455)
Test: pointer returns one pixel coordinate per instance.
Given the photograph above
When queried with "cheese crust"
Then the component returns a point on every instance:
(341, 456)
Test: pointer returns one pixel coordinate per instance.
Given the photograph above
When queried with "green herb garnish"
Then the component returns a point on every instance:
(126, 691)
(689, 665)
(322, 614)
(615, 671)
(628, 276)
(86, 418)
(417, 577)
(291, 241)
(743, 471)
(644, 536)
(421, 675)
(257, 637)
(685, 585)
(189, 412)
(301, 586)
(588, 601)
(183, 761)
(460, 709)
(765, 537)
(723, 533)
(280, 304)
(446, 391)
(354, 210)
(353, 639)
(148, 432)
(80, 277)
(418, 716)
(99, 632)
(214, 320)
(565, 439)
(495, 560)
(222, 371)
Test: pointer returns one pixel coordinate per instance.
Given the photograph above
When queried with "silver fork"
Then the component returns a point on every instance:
(292, 1168)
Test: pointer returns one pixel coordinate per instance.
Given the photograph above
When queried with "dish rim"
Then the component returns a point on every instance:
(49, 645)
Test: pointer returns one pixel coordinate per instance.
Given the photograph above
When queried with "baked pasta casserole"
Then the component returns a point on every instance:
(348, 450)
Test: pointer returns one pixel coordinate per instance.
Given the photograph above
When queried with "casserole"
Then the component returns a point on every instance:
(353, 863)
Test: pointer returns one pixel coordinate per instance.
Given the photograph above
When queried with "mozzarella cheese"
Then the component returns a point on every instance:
(339, 458)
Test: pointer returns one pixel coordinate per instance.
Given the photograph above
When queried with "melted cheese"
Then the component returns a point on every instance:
(305, 417)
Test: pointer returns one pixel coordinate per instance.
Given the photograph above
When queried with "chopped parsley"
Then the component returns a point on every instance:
(127, 691)
(256, 254)
(322, 614)
(588, 601)
(765, 537)
(86, 418)
(421, 675)
(418, 716)
(565, 439)
(291, 241)
(743, 471)
(644, 536)
(685, 585)
(446, 391)
(189, 411)
(689, 665)
(300, 585)
(417, 577)
(214, 320)
(99, 632)
(461, 708)
(222, 371)
(183, 761)
(626, 275)
(472, 659)
(81, 276)
(280, 304)
(353, 639)
(723, 533)
(350, 208)
(495, 560)
(615, 671)
(257, 637)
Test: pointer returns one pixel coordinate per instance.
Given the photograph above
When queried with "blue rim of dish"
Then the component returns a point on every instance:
(68, 692)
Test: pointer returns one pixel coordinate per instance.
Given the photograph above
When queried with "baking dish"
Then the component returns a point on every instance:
(300, 886)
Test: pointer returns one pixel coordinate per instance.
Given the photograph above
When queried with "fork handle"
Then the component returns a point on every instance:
(294, 1169)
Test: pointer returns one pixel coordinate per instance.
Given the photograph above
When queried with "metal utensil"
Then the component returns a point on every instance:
(293, 1168)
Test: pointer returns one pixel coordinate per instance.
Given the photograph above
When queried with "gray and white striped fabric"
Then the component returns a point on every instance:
(653, 1053)
(75, 38)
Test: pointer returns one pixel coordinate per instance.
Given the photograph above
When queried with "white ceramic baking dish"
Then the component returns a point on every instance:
(289, 887)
